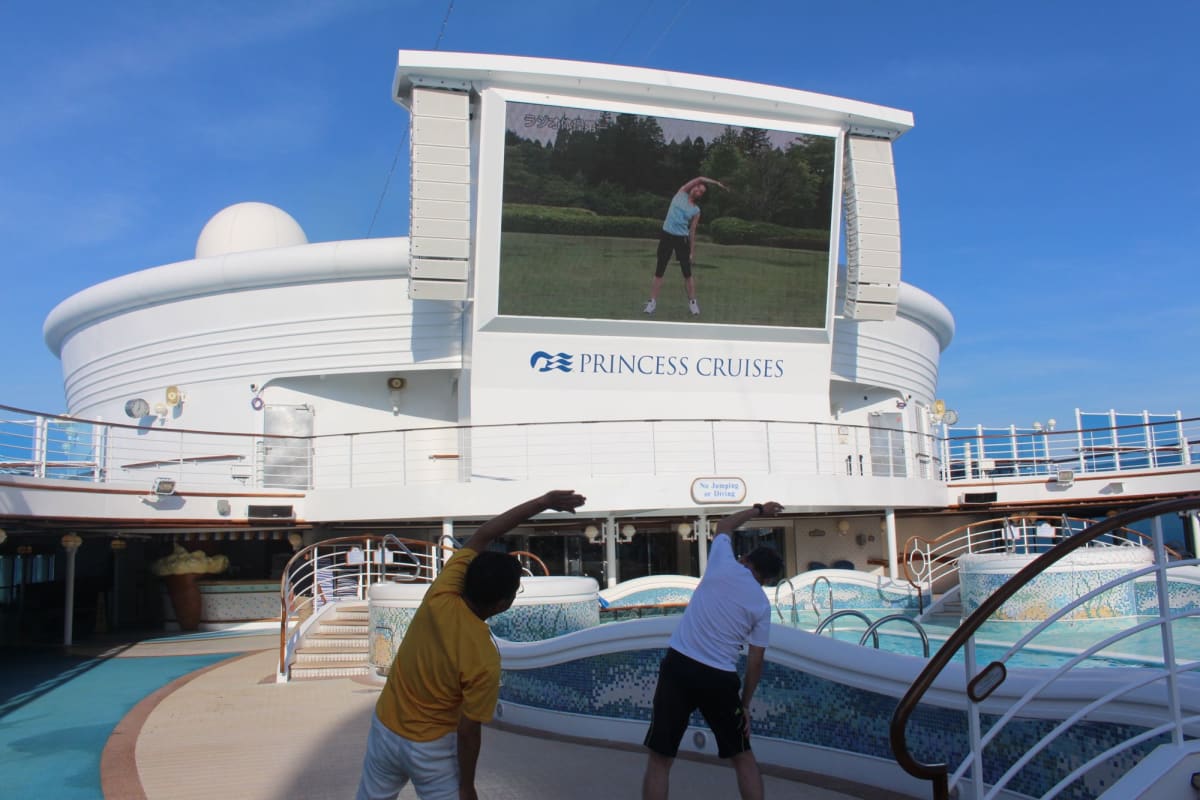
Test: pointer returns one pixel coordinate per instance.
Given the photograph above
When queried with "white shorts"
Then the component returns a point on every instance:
(391, 761)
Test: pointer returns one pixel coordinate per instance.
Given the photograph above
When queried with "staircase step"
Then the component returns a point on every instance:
(336, 640)
(311, 656)
(327, 628)
(299, 673)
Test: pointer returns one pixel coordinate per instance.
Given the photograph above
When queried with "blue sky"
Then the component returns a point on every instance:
(1048, 190)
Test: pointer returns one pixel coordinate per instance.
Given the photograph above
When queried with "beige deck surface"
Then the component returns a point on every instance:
(231, 732)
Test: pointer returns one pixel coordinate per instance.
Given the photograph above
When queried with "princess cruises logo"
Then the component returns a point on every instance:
(658, 364)
(545, 362)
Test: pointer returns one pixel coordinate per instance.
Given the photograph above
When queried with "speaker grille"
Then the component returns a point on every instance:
(269, 512)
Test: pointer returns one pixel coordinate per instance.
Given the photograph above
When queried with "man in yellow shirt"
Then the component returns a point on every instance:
(445, 679)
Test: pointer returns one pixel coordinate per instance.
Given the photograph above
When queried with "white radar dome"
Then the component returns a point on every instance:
(248, 226)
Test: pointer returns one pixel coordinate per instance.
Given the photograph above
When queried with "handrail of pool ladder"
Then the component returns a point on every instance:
(828, 586)
(778, 608)
(850, 612)
(874, 626)
(938, 773)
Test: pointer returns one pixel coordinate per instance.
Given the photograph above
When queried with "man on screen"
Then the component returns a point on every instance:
(678, 236)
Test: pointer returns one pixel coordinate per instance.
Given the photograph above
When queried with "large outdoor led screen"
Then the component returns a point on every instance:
(588, 193)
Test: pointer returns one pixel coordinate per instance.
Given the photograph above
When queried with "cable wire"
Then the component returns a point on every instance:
(404, 136)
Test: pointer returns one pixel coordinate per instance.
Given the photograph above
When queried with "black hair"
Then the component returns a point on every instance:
(491, 577)
(766, 562)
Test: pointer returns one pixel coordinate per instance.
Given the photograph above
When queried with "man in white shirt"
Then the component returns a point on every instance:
(728, 609)
(1045, 535)
(1013, 536)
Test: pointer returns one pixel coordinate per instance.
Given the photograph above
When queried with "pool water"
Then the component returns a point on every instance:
(1053, 647)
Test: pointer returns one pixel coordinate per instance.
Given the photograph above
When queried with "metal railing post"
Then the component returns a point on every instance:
(39, 447)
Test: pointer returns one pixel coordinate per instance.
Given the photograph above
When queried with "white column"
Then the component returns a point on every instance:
(702, 543)
(610, 550)
(889, 517)
(118, 548)
(70, 543)
(446, 539)
(1194, 524)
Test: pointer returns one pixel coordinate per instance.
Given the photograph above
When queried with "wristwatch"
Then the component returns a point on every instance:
(758, 509)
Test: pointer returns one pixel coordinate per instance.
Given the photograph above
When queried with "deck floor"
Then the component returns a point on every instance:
(229, 730)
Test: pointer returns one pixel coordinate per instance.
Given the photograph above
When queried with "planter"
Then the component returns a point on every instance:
(185, 599)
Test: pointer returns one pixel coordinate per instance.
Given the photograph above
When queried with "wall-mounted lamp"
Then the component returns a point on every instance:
(686, 532)
(627, 532)
(1064, 477)
(843, 526)
(593, 534)
(164, 486)
(939, 413)
(395, 384)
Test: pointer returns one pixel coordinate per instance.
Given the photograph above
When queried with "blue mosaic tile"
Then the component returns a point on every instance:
(799, 707)
(533, 623)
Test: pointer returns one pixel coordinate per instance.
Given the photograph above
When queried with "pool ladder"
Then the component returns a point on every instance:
(872, 631)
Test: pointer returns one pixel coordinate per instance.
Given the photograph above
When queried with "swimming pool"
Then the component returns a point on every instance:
(1052, 648)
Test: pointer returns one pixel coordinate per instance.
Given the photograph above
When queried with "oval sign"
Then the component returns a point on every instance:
(718, 490)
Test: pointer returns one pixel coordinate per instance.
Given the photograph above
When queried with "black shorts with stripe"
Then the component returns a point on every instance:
(685, 685)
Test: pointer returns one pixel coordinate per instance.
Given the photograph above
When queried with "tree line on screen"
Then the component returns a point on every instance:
(617, 179)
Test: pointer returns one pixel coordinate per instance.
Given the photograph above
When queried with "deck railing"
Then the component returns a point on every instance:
(42, 446)
(1105, 442)
(932, 564)
(45, 446)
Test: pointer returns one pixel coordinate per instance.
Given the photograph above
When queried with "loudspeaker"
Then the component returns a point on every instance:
(978, 497)
(269, 512)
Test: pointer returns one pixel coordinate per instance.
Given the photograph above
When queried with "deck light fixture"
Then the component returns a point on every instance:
(164, 486)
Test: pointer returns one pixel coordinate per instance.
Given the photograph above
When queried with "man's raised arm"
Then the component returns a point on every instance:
(734, 521)
(497, 526)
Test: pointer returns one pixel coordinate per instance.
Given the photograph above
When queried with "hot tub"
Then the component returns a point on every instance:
(980, 575)
(549, 606)
(545, 607)
(391, 607)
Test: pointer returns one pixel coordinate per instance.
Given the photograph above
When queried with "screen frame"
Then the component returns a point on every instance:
(489, 206)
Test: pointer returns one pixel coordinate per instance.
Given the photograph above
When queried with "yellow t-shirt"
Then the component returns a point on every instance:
(447, 664)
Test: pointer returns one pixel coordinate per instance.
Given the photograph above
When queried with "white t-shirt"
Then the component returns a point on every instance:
(728, 609)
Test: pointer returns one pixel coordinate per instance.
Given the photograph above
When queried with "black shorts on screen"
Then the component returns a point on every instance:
(681, 246)
(685, 685)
